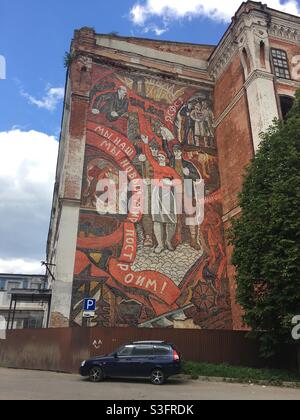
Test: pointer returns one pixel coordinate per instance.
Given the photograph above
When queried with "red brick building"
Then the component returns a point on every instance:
(202, 109)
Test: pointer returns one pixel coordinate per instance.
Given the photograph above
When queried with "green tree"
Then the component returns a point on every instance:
(266, 237)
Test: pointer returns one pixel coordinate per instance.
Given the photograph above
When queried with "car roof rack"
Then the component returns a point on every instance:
(149, 342)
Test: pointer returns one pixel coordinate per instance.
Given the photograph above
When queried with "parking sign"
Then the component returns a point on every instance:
(89, 305)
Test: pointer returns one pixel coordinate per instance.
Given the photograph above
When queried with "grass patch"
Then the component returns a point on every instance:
(243, 374)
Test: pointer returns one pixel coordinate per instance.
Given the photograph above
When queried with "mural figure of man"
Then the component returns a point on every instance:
(208, 118)
(148, 175)
(189, 123)
(163, 199)
(113, 104)
(188, 171)
(198, 118)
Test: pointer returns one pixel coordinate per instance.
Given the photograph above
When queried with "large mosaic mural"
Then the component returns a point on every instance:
(151, 270)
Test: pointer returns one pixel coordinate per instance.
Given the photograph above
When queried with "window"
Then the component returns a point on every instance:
(161, 351)
(247, 61)
(125, 351)
(141, 351)
(286, 104)
(36, 286)
(2, 284)
(13, 285)
(31, 323)
(281, 65)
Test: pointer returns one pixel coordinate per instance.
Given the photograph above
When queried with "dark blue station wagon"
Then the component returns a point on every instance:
(156, 360)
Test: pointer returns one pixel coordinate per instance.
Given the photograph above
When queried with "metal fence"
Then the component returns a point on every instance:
(63, 349)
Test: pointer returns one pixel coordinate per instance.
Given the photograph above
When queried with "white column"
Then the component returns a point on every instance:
(65, 260)
(254, 46)
(262, 103)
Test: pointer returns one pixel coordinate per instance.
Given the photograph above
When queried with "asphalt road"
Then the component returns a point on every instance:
(32, 385)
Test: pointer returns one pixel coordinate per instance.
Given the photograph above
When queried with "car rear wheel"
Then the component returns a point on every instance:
(96, 374)
(157, 377)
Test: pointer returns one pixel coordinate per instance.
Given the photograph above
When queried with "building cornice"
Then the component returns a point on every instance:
(70, 202)
(285, 30)
(288, 83)
(152, 65)
(258, 74)
(223, 56)
(126, 61)
(140, 51)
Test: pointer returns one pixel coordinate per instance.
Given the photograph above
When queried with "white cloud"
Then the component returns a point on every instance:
(142, 12)
(50, 101)
(159, 31)
(27, 173)
(19, 266)
(156, 29)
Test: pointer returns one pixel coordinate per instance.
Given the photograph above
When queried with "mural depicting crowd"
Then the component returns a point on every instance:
(153, 269)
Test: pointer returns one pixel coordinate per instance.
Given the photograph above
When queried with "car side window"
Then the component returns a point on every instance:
(142, 351)
(125, 351)
(161, 351)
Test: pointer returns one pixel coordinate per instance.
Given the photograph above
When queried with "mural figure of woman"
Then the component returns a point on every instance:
(188, 127)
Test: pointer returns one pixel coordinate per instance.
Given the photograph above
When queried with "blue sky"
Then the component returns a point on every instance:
(34, 36)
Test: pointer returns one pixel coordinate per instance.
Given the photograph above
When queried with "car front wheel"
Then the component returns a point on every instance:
(157, 377)
(96, 374)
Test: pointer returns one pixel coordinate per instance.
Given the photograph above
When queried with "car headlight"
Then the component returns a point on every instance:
(83, 363)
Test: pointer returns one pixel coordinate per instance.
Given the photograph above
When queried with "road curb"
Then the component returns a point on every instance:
(295, 385)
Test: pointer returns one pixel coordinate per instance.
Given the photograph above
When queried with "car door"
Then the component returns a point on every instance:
(142, 361)
(121, 365)
(163, 357)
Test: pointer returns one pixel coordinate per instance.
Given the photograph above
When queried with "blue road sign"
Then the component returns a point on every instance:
(89, 305)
